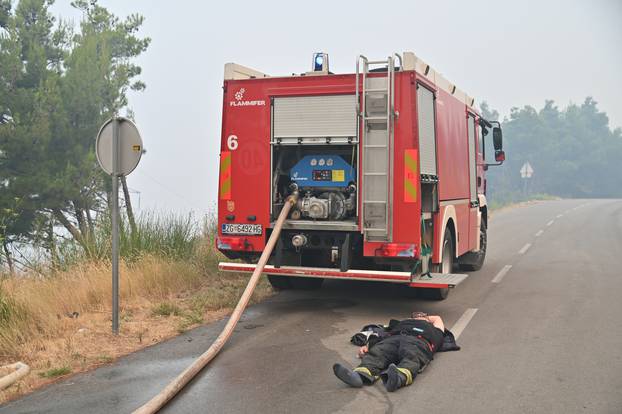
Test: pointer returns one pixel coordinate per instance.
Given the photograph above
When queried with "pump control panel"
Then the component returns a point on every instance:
(322, 171)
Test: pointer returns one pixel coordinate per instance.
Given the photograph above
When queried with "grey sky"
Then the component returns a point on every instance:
(507, 53)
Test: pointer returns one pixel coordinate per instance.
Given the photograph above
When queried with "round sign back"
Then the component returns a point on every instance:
(130, 146)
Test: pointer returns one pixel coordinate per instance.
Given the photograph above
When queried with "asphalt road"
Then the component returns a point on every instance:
(544, 336)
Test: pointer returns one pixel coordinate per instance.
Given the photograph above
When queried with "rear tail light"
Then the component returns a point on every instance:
(397, 250)
(232, 243)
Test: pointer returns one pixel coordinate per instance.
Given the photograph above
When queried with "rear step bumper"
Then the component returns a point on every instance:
(435, 280)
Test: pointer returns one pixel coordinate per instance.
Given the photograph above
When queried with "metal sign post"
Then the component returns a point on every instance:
(119, 148)
(115, 226)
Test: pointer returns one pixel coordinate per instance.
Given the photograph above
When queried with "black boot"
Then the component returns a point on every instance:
(348, 376)
(392, 378)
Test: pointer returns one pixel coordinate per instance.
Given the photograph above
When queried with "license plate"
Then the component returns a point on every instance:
(248, 229)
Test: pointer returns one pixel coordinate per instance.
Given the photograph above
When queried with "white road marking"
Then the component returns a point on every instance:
(464, 320)
(559, 215)
(549, 223)
(524, 249)
(538, 234)
(501, 273)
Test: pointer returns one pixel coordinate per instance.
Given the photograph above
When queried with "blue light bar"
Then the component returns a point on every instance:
(318, 62)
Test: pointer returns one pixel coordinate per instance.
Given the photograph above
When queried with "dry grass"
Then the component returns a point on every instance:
(62, 324)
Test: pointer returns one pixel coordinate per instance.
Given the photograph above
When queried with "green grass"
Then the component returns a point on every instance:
(166, 309)
(190, 318)
(55, 372)
(171, 236)
(106, 359)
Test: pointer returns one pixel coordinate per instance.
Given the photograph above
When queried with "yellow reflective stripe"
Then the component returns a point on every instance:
(410, 162)
(410, 176)
(363, 370)
(225, 175)
(410, 189)
(225, 163)
(225, 188)
(409, 375)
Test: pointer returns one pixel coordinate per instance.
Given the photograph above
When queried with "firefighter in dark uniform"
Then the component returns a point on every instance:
(398, 355)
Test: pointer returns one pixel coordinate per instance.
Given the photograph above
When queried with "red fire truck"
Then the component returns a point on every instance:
(388, 163)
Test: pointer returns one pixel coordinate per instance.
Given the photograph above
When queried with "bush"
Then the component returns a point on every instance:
(170, 236)
(166, 309)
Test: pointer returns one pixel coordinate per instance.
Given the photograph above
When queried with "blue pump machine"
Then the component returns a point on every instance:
(322, 171)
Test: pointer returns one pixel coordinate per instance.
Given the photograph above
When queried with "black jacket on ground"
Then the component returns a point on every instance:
(372, 334)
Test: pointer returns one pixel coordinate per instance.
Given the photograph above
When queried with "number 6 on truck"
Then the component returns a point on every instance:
(232, 142)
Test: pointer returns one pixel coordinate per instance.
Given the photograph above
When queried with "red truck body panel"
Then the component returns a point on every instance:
(245, 180)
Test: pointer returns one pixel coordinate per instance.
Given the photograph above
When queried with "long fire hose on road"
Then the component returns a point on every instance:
(157, 402)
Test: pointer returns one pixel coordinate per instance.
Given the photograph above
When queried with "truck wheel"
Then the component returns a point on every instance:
(475, 260)
(280, 282)
(446, 266)
(306, 283)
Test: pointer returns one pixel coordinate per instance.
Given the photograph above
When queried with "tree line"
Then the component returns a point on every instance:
(58, 83)
(573, 152)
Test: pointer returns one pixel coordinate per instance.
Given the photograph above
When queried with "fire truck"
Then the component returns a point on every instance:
(388, 164)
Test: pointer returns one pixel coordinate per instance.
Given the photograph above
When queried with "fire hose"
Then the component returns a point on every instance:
(16, 371)
(157, 402)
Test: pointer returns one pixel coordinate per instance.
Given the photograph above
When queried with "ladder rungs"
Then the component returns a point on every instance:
(381, 125)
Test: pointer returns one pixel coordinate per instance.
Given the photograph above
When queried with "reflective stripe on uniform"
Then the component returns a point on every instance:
(409, 375)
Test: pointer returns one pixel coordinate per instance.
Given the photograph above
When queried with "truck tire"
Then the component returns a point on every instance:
(446, 266)
(475, 260)
(280, 282)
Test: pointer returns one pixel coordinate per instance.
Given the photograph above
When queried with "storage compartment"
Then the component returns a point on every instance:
(314, 119)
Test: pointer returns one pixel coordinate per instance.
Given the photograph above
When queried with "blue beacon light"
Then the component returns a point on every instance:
(319, 62)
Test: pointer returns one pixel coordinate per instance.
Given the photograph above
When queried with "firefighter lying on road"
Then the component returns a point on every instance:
(398, 352)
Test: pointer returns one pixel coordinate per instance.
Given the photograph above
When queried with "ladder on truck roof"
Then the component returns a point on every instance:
(375, 109)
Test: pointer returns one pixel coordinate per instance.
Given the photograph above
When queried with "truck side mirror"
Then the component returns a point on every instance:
(497, 139)
(499, 156)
